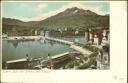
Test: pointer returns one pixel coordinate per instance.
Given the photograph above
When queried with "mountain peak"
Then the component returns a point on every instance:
(73, 8)
(76, 11)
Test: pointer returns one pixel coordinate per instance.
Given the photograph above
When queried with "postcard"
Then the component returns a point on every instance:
(50, 41)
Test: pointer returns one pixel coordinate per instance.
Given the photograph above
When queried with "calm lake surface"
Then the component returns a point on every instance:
(17, 49)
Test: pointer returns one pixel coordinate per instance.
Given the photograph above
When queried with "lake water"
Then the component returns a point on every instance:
(17, 49)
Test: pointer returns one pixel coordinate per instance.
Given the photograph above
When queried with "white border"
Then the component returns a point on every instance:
(118, 53)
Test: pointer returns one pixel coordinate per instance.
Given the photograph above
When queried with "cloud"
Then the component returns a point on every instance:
(34, 8)
(41, 6)
(43, 15)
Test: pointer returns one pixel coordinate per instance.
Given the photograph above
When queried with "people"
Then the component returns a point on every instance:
(48, 55)
(27, 57)
(51, 65)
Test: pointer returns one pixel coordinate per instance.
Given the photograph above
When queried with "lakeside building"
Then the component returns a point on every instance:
(100, 38)
(36, 32)
(106, 38)
(90, 36)
(96, 40)
(76, 32)
(4, 36)
(42, 33)
(60, 30)
(65, 29)
(87, 36)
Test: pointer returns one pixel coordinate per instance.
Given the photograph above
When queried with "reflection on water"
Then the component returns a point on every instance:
(12, 50)
(17, 49)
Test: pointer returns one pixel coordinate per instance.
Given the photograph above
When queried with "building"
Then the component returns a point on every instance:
(99, 59)
(100, 38)
(4, 36)
(42, 33)
(60, 30)
(36, 32)
(108, 37)
(65, 29)
(87, 36)
(91, 38)
(96, 40)
(76, 32)
(105, 38)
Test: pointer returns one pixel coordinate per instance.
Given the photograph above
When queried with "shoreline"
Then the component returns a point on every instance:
(23, 37)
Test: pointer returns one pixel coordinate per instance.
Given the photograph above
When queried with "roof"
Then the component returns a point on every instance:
(19, 60)
(59, 55)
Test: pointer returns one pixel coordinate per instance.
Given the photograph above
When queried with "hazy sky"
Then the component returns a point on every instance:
(32, 11)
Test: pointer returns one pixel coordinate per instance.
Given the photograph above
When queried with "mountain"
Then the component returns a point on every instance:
(10, 21)
(75, 18)
(70, 18)
(74, 11)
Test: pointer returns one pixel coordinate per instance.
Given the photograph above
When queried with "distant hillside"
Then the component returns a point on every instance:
(9, 21)
(70, 18)
(13, 25)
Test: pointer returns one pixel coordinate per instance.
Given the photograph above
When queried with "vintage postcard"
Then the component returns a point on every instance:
(45, 37)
